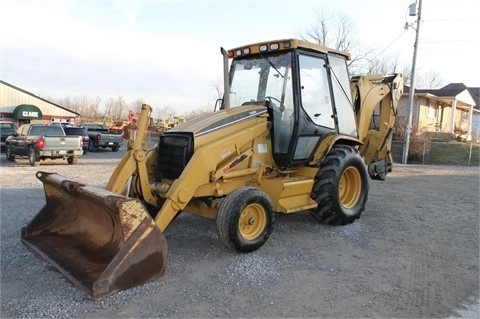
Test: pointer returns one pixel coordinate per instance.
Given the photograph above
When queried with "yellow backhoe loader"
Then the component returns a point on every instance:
(293, 133)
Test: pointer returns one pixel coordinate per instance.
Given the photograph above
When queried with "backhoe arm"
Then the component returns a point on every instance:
(376, 99)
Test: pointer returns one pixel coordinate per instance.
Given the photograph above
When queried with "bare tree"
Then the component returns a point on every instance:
(116, 109)
(381, 65)
(424, 80)
(166, 112)
(218, 87)
(87, 107)
(198, 112)
(136, 105)
(338, 32)
(429, 80)
(318, 32)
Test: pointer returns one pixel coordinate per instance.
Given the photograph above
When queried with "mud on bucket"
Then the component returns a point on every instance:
(101, 241)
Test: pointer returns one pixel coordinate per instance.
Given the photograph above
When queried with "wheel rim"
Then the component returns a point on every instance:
(252, 221)
(350, 187)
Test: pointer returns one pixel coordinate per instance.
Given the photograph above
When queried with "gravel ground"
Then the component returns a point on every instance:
(414, 253)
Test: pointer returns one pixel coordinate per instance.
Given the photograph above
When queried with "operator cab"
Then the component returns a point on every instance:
(306, 89)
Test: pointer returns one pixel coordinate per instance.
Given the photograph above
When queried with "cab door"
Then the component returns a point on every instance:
(314, 113)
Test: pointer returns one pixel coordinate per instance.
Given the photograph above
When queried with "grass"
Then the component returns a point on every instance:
(442, 153)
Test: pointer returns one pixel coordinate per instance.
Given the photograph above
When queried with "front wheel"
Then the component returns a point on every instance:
(245, 219)
(341, 187)
(9, 154)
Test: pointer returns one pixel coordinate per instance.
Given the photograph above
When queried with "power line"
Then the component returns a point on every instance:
(447, 20)
(448, 41)
(389, 45)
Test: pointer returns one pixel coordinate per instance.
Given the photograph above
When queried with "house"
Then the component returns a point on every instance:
(476, 115)
(451, 111)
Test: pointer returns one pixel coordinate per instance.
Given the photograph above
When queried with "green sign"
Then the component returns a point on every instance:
(27, 112)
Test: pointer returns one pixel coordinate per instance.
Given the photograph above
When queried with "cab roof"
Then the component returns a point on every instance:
(283, 44)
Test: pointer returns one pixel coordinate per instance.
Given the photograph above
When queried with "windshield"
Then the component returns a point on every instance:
(75, 131)
(267, 80)
(262, 78)
(8, 127)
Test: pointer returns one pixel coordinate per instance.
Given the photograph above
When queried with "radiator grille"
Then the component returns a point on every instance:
(174, 152)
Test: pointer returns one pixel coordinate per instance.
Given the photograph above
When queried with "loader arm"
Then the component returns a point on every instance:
(134, 161)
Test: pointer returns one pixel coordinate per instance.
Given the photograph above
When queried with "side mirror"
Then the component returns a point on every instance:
(219, 103)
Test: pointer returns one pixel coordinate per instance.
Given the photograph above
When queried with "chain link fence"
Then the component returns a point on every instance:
(447, 152)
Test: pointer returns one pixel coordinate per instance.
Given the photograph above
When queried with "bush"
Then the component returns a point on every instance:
(419, 144)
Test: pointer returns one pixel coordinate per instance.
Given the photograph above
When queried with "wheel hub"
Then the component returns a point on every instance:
(350, 187)
(252, 221)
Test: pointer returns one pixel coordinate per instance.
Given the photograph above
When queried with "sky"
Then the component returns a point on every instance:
(167, 53)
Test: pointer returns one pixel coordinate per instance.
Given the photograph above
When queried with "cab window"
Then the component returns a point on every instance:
(315, 92)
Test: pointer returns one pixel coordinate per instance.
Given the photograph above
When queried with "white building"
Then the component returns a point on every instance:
(20, 106)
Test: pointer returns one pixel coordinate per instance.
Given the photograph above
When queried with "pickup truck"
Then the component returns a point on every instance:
(39, 142)
(100, 136)
(80, 131)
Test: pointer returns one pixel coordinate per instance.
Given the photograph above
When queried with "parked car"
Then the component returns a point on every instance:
(80, 131)
(6, 128)
(38, 142)
(101, 137)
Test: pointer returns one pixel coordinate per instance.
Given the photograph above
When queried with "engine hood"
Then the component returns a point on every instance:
(220, 119)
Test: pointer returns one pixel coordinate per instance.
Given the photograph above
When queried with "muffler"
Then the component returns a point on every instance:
(101, 241)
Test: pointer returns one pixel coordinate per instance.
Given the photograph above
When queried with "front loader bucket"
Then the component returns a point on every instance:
(101, 241)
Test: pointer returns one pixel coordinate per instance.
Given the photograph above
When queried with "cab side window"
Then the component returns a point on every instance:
(315, 92)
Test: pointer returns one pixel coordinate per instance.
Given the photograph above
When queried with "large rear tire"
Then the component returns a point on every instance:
(341, 187)
(245, 219)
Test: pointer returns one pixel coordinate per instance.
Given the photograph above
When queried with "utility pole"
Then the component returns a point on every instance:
(411, 93)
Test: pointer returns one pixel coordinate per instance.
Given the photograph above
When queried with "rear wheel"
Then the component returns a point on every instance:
(91, 147)
(9, 154)
(341, 187)
(32, 157)
(245, 219)
(115, 148)
(73, 160)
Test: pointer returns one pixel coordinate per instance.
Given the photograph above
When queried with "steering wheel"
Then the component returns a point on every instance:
(281, 106)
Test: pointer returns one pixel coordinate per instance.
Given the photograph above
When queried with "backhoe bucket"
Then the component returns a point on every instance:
(101, 241)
